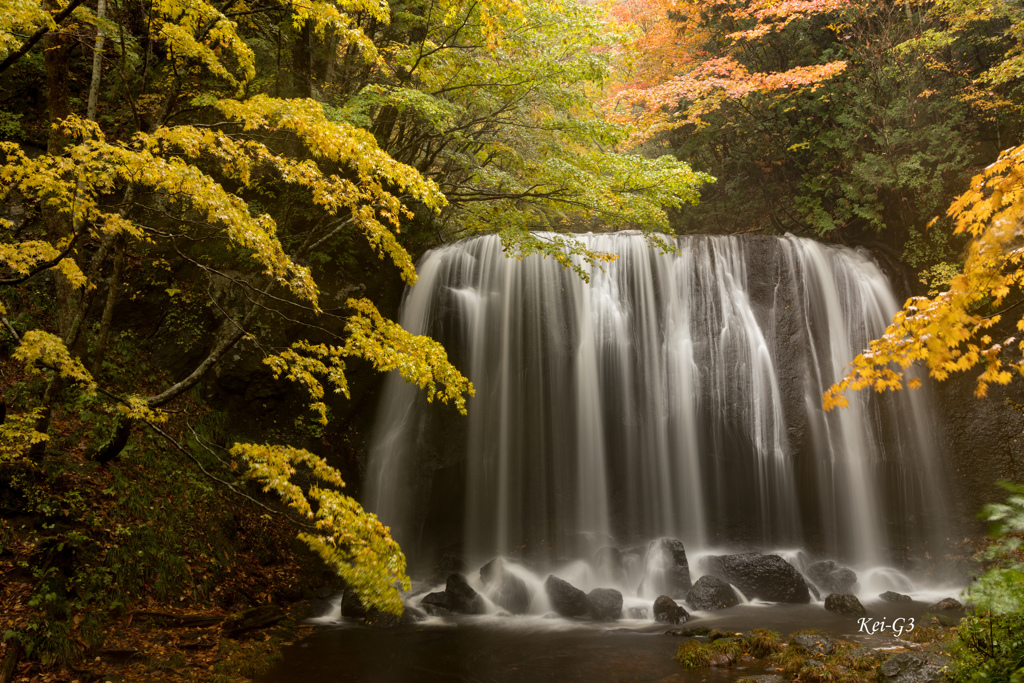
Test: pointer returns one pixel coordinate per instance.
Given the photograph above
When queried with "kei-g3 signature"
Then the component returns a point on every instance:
(897, 625)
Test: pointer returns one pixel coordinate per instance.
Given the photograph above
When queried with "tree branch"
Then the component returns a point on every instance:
(38, 35)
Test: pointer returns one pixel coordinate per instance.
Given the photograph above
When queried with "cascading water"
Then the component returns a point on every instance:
(672, 395)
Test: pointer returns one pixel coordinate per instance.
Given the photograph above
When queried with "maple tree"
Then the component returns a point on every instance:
(889, 107)
(222, 189)
(702, 72)
(90, 190)
(950, 332)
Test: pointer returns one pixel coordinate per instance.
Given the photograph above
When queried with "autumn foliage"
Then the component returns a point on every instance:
(950, 332)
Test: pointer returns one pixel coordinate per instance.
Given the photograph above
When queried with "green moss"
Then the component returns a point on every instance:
(788, 656)
(926, 634)
(763, 643)
(696, 654)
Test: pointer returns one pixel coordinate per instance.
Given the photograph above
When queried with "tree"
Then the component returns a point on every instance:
(949, 332)
(499, 111)
(178, 184)
(200, 179)
(846, 120)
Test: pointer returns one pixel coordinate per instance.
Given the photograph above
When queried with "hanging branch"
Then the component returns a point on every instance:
(38, 35)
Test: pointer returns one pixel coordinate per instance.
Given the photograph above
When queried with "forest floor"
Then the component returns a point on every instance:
(143, 569)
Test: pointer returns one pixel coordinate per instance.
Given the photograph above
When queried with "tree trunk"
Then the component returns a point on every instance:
(108, 308)
(97, 60)
(10, 661)
(59, 225)
(302, 62)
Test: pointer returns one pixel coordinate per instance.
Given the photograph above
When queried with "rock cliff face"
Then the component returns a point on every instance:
(671, 395)
(982, 441)
(975, 442)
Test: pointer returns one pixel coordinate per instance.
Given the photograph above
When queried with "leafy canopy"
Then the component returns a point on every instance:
(949, 332)
(214, 169)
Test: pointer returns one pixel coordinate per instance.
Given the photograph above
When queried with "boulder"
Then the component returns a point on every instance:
(666, 569)
(461, 596)
(844, 604)
(351, 605)
(511, 593)
(909, 667)
(605, 604)
(491, 570)
(376, 618)
(505, 588)
(945, 605)
(832, 578)
(436, 604)
(711, 593)
(721, 659)
(411, 615)
(666, 609)
(813, 645)
(764, 577)
(891, 596)
(319, 608)
(565, 598)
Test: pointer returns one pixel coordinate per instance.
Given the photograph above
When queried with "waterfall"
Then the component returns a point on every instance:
(673, 394)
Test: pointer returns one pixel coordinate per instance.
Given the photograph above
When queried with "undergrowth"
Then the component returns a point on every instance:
(83, 545)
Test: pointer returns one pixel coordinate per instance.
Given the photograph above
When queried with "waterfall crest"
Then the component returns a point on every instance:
(672, 395)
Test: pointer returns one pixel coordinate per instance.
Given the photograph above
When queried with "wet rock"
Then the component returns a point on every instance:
(352, 606)
(721, 659)
(771, 678)
(461, 596)
(411, 615)
(512, 594)
(695, 631)
(637, 612)
(666, 609)
(666, 569)
(813, 645)
(909, 667)
(492, 569)
(862, 652)
(832, 578)
(711, 593)
(505, 588)
(764, 577)
(319, 608)
(605, 604)
(436, 604)
(376, 618)
(945, 605)
(892, 596)
(844, 604)
(566, 599)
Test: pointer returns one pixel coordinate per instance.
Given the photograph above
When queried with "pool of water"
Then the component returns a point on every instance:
(494, 649)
